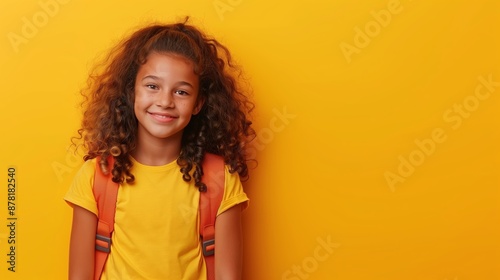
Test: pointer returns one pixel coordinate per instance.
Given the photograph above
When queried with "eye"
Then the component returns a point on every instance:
(181, 92)
(152, 86)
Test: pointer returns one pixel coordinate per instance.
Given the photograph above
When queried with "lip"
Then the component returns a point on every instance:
(162, 117)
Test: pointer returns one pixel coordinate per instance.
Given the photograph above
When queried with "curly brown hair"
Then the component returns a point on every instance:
(109, 126)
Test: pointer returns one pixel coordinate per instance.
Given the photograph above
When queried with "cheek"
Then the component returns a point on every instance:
(137, 104)
(192, 108)
(135, 109)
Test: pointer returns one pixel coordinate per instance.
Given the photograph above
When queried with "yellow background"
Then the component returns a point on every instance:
(331, 125)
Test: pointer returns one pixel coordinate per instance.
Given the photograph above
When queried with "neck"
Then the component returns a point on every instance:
(155, 152)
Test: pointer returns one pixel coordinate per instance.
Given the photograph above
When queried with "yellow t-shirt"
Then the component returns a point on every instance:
(156, 232)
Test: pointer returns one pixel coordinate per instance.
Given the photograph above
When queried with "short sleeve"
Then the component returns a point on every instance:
(80, 192)
(233, 192)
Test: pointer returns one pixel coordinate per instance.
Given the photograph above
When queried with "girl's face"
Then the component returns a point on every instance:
(166, 96)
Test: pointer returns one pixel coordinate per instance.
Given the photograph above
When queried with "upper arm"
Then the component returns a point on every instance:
(82, 244)
(228, 240)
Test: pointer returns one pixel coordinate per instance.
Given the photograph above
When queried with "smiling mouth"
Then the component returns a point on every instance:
(162, 117)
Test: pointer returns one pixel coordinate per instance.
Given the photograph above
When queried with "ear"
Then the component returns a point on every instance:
(199, 104)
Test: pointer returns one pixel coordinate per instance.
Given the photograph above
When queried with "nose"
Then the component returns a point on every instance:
(165, 99)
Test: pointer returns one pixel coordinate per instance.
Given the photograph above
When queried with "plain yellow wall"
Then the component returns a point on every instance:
(378, 130)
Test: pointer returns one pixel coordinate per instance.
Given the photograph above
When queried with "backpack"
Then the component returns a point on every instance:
(106, 192)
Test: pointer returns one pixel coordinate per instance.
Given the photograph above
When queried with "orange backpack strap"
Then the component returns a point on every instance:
(105, 193)
(213, 177)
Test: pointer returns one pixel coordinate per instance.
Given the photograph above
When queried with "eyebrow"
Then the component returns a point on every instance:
(182, 83)
(151, 77)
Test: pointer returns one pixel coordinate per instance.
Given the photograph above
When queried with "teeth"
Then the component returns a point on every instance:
(162, 116)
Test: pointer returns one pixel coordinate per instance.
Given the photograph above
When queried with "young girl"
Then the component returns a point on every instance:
(165, 96)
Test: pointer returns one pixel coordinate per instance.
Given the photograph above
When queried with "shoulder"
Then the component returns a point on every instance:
(81, 190)
(234, 193)
(85, 175)
(215, 169)
(87, 170)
